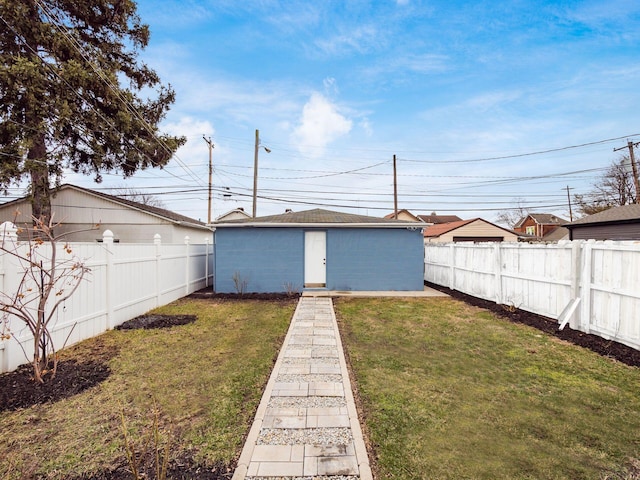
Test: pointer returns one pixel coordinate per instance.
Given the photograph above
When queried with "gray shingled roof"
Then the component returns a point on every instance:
(626, 213)
(319, 216)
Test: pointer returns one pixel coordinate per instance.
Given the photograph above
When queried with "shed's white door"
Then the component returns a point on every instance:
(315, 259)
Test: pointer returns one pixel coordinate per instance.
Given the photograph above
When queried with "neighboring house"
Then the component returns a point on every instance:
(235, 214)
(539, 224)
(318, 249)
(434, 219)
(617, 223)
(89, 213)
(403, 215)
(474, 230)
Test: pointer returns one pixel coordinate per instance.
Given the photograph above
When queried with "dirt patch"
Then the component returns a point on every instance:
(207, 293)
(18, 389)
(182, 469)
(156, 321)
(607, 348)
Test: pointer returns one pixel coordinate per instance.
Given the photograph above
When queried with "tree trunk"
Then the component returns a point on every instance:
(40, 194)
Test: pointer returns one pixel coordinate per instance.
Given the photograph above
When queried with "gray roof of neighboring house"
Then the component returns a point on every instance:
(319, 217)
(556, 234)
(624, 214)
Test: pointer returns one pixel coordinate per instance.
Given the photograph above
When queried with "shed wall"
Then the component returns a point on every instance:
(270, 259)
(267, 258)
(374, 259)
(626, 231)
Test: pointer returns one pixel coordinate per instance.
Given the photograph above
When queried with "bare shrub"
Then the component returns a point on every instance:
(50, 273)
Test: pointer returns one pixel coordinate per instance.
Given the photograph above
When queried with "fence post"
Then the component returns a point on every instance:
(498, 277)
(585, 280)
(452, 266)
(576, 270)
(187, 268)
(206, 261)
(9, 275)
(157, 241)
(107, 240)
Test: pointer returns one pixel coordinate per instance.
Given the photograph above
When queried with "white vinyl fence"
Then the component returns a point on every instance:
(126, 280)
(592, 286)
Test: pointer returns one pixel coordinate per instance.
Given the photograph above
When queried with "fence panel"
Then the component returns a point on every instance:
(545, 279)
(125, 280)
(614, 292)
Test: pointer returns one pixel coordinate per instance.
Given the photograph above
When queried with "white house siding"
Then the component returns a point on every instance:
(78, 211)
(474, 229)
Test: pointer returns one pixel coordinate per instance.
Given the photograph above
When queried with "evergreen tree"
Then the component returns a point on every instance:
(74, 94)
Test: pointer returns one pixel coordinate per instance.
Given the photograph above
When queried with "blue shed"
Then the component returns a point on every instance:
(318, 249)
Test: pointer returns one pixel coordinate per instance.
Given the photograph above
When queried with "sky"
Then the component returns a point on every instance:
(486, 105)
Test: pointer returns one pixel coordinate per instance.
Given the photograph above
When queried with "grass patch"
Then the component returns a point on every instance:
(451, 391)
(205, 378)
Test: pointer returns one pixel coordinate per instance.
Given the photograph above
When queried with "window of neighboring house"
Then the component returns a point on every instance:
(531, 230)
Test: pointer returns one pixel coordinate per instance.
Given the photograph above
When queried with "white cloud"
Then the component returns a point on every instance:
(365, 125)
(360, 39)
(320, 124)
(330, 85)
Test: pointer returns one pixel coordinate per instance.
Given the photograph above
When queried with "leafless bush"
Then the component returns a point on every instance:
(48, 277)
(240, 283)
(291, 288)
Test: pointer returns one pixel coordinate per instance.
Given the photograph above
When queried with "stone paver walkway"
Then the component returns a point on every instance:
(306, 426)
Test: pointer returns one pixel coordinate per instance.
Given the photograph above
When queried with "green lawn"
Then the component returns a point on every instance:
(205, 379)
(451, 391)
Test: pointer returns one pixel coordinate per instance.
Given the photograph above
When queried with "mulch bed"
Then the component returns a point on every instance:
(182, 469)
(208, 293)
(608, 348)
(18, 389)
(156, 321)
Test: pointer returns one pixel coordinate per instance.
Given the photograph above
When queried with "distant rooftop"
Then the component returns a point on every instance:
(626, 213)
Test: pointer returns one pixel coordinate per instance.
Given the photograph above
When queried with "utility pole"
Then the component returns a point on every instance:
(255, 170)
(569, 199)
(634, 169)
(211, 145)
(395, 189)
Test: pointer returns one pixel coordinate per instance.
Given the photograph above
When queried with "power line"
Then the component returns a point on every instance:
(520, 155)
